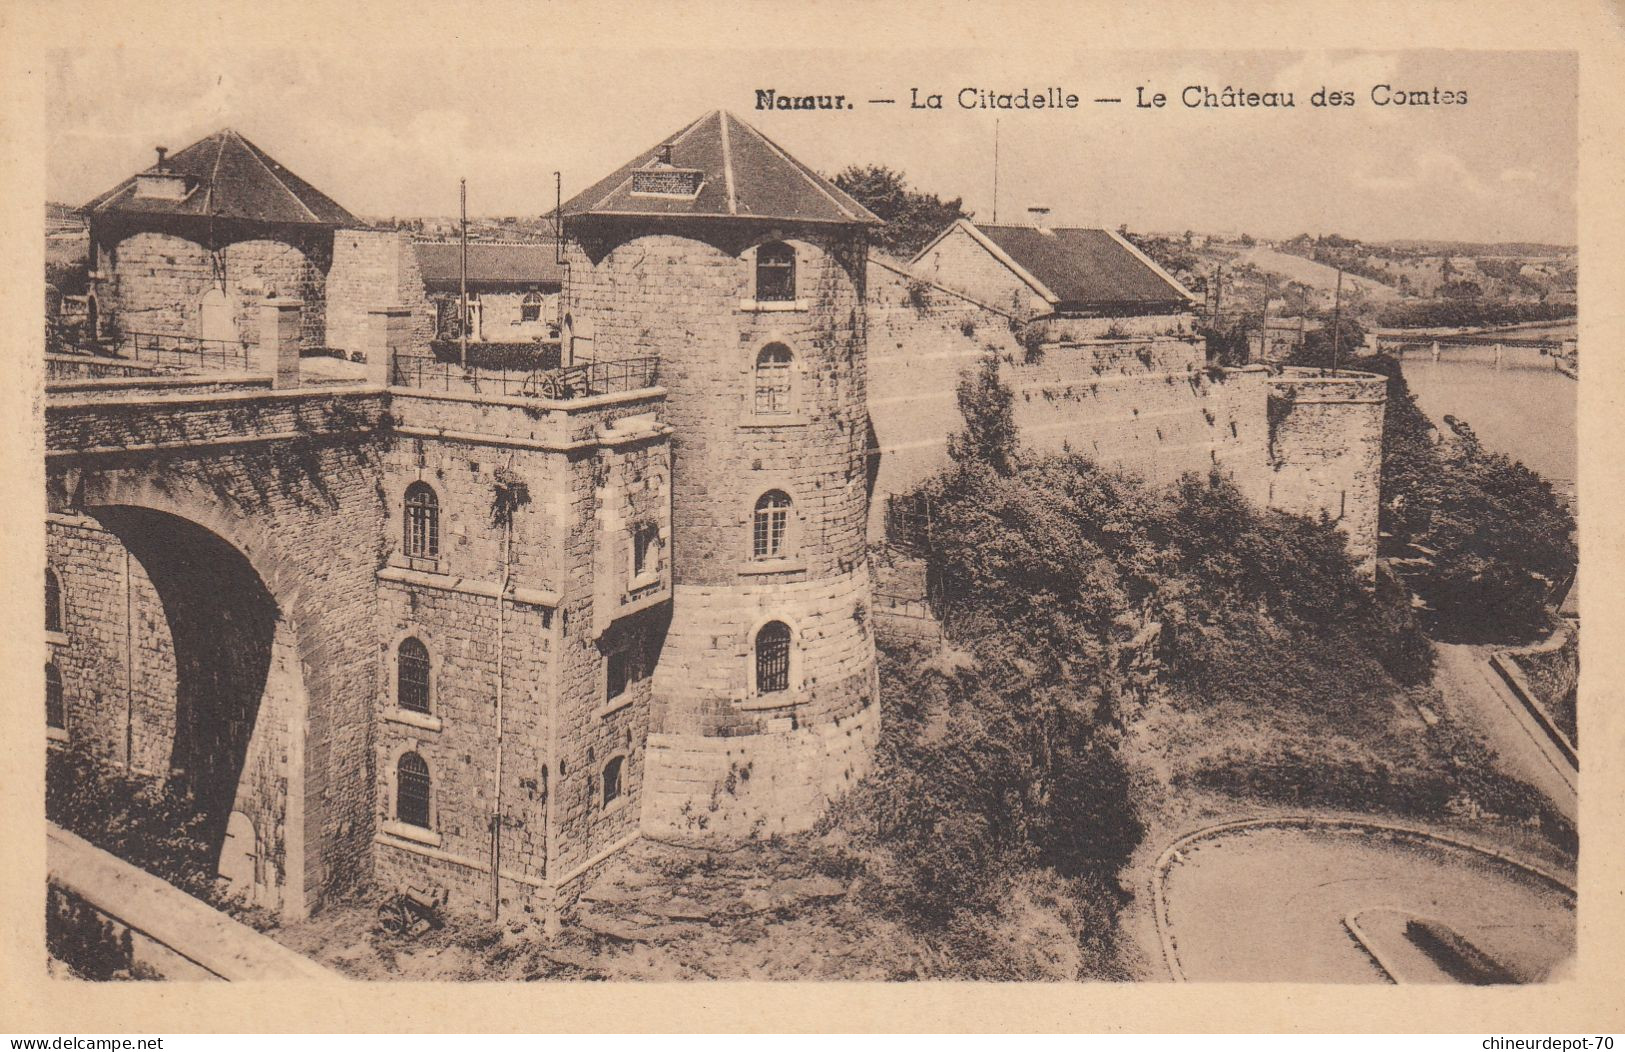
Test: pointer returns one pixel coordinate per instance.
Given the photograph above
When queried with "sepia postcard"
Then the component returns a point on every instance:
(998, 517)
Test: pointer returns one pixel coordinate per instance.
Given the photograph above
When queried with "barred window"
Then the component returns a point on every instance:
(412, 676)
(412, 790)
(530, 308)
(56, 716)
(775, 272)
(53, 602)
(770, 525)
(612, 780)
(422, 522)
(773, 379)
(773, 658)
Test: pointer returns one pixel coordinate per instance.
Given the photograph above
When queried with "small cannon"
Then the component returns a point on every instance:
(413, 910)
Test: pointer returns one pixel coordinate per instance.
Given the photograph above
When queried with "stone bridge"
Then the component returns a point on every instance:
(214, 543)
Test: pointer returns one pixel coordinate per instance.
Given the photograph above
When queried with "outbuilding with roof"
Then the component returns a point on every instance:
(1037, 271)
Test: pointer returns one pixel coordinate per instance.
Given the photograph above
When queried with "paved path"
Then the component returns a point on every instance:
(1269, 904)
(1473, 690)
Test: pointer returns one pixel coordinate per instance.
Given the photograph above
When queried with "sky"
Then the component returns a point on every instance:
(390, 132)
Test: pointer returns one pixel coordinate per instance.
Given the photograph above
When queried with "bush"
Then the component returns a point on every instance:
(154, 826)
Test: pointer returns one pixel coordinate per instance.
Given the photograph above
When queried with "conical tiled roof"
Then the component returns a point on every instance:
(228, 177)
(720, 167)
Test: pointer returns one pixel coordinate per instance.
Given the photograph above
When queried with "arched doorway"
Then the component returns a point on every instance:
(235, 721)
(214, 317)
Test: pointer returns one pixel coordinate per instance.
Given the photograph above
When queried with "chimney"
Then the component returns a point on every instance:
(665, 153)
(162, 151)
(1038, 217)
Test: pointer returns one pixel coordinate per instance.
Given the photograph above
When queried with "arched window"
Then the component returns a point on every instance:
(53, 601)
(775, 272)
(56, 716)
(772, 380)
(412, 790)
(412, 676)
(530, 308)
(773, 658)
(422, 522)
(770, 525)
(612, 780)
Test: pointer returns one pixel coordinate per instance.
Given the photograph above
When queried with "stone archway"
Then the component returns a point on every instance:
(237, 716)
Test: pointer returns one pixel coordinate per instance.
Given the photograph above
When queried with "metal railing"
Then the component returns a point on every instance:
(171, 353)
(429, 373)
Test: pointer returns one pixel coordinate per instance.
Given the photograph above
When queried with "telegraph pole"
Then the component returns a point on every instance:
(462, 277)
(995, 171)
(1337, 319)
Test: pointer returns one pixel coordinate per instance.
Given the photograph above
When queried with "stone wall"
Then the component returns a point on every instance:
(375, 269)
(286, 483)
(155, 282)
(686, 296)
(1325, 439)
(591, 469)
(1145, 404)
(712, 789)
(114, 653)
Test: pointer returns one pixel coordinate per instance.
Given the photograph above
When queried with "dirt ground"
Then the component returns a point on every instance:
(661, 913)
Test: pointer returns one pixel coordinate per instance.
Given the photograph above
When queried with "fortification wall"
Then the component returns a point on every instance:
(115, 653)
(1143, 404)
(288, 480)
(373, 269)
(1326, 451)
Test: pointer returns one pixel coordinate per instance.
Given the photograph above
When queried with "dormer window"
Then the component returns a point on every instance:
(161, 186)
(775, 273)
(661, 178)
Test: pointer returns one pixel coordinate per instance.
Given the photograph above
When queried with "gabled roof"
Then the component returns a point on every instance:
(741, 174)
(228, 177)
(1075, 267)
(490, 263)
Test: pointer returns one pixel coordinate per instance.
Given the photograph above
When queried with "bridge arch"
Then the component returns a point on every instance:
(250, 663)
(235, 718)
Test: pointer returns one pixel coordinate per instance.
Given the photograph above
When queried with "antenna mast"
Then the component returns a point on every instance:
(462, 278)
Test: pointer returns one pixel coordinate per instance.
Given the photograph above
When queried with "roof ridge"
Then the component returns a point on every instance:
(728, 161)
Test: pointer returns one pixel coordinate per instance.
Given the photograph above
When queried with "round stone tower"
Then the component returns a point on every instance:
(742, 272)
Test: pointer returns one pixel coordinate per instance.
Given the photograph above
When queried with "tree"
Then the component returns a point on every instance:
(912, 217)
(1493, 536)
(989, 436)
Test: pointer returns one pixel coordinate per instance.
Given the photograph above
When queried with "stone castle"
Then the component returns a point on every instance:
(398, 616)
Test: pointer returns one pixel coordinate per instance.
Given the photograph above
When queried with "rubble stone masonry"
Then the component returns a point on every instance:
(155, 281)
(686, 295)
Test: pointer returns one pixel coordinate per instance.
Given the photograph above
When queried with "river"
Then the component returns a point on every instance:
(1522, 407)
